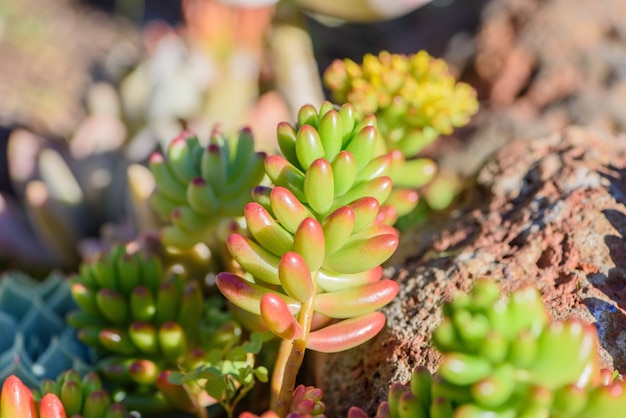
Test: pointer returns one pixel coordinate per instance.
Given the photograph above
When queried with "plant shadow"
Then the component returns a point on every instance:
(610, 318)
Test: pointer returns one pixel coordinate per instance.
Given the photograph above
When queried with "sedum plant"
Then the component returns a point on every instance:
(16, 400)
(415, 99)
(202, 190)
(143, 325)
(35, 341)
(81, 397)
(312, 260)
(506, 360)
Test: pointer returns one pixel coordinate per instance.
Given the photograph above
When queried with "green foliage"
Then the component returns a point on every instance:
(201, 188)
(506, 360)
(317, 239)
(227, 374)
(415, 99)
(144, 323)
(82, 396)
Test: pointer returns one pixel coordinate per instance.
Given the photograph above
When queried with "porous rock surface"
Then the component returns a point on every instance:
(549, 211)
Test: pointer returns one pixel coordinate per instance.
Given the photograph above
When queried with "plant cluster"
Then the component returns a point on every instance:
(202, 190)
(313, 258)
(295, 244)
(144, 324)
(415, 100)
(506, 360)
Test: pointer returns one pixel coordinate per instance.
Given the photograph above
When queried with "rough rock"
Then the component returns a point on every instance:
(550, 211)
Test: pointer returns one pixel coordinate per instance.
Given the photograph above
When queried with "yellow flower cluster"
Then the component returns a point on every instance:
(415, 98)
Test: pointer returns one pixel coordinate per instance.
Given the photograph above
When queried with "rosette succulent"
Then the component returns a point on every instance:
(35, 341)
(202, 190)
(144, 324)
(312, 260)
(415, 100)
(508, 359)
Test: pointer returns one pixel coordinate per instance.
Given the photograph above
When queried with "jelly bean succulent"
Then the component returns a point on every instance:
(144, 324)
(415, 99)
(35, 341)
(202, 190)
(16, 400)
(316, 241)
(81, 397)
(508, 359)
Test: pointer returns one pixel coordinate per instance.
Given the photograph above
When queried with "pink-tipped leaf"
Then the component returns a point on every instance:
(346, 334)
(295, 277)
(279, 318)
(358, 301)
(308, 241)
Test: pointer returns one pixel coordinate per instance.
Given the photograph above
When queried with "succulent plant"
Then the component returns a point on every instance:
(203, 190)
(35, 341)
(306, 402)
(312, 261)
(508, 359)
(415, 100)
(143, 325)
(16, 400)
(81, 397)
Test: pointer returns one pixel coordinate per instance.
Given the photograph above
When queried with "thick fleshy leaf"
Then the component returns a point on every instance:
(356, 301)
(319, 186)
(201, 197)
(346, 334)
(213, 166)
(246, 295)
(331, 133)
(295, 277)
(365, 212)
(279, 318)
(413, 173)
(403, 200)
(16, 400)
(567, 354)
(308, 146)
(253, 258)
(379, 188)
(266, 231)
(333, 281)
(50, 406)
(363, 145)
(309, 243)
(344, 172)
(307, 115)
(338, 227)
(286, 136)
(379, 166)
(362, 255)
(172, 340)
(288, 209)
(284, 174)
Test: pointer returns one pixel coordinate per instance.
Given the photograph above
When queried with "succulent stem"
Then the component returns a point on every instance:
(289, 371)
(289, 366)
